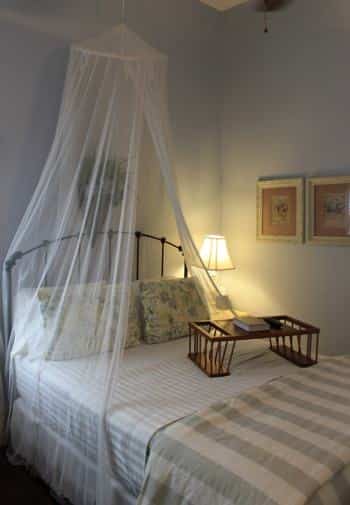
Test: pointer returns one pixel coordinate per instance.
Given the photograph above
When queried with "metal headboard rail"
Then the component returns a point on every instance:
(11, 262)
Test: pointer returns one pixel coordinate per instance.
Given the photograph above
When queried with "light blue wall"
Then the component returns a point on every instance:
(286, 112)
(33, 55)
(32, 71)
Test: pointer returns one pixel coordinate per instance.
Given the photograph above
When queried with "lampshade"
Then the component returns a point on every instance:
(214, 253)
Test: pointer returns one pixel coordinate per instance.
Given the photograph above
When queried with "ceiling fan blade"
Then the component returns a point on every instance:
(270, 5)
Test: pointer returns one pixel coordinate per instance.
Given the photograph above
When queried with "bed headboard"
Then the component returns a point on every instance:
(10, 264)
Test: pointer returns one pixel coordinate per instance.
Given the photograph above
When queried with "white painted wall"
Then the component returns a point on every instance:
(286, 113)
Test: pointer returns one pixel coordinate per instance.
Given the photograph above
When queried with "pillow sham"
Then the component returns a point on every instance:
(70, 324)
(88, 321)
(56, 332)
(168, 306)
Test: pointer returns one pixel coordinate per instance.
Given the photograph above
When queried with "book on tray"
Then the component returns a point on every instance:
(251, 324)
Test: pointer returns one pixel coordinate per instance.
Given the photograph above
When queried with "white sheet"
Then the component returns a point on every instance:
(159, 386)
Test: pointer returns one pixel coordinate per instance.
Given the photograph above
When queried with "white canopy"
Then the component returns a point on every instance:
(73, 252)
(121, 43)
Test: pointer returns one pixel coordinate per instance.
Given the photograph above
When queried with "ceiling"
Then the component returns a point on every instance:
(222, 5)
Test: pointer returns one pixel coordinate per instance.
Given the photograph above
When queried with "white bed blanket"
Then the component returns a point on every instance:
(159, 385)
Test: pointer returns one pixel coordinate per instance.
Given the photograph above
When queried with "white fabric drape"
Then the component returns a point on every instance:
(156, 111)
(72, 282)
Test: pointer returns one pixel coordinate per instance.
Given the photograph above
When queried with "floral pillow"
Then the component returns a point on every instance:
(109, 313)
(168, 306)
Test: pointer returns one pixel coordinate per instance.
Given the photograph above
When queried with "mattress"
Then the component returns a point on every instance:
(158, 385)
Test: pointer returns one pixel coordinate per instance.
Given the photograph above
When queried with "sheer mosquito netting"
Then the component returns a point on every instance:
(74, 255)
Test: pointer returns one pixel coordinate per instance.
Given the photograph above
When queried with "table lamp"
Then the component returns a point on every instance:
(216, 258)
(215, 255)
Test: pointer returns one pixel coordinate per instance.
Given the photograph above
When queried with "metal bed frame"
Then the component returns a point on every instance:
(10, 263)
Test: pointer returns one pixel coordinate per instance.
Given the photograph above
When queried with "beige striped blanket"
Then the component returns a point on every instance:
(283, 443)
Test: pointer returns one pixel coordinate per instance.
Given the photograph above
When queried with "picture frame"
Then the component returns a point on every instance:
(280, 210)
(328, 210)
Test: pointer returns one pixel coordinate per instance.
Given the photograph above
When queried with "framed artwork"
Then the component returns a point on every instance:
(280, 210)
(328, 213)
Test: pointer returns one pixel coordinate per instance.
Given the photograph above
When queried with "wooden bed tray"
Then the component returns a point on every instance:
(212, 343)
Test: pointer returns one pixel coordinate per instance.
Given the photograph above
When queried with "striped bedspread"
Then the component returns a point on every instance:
(283, 443)
(159, 385)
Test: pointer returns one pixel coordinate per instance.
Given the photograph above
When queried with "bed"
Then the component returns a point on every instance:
(159, 386)
(163, 414)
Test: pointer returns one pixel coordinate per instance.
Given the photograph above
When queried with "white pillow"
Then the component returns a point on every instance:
(28, 324)
(54, 329)
(45, 330)
(71, 323)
